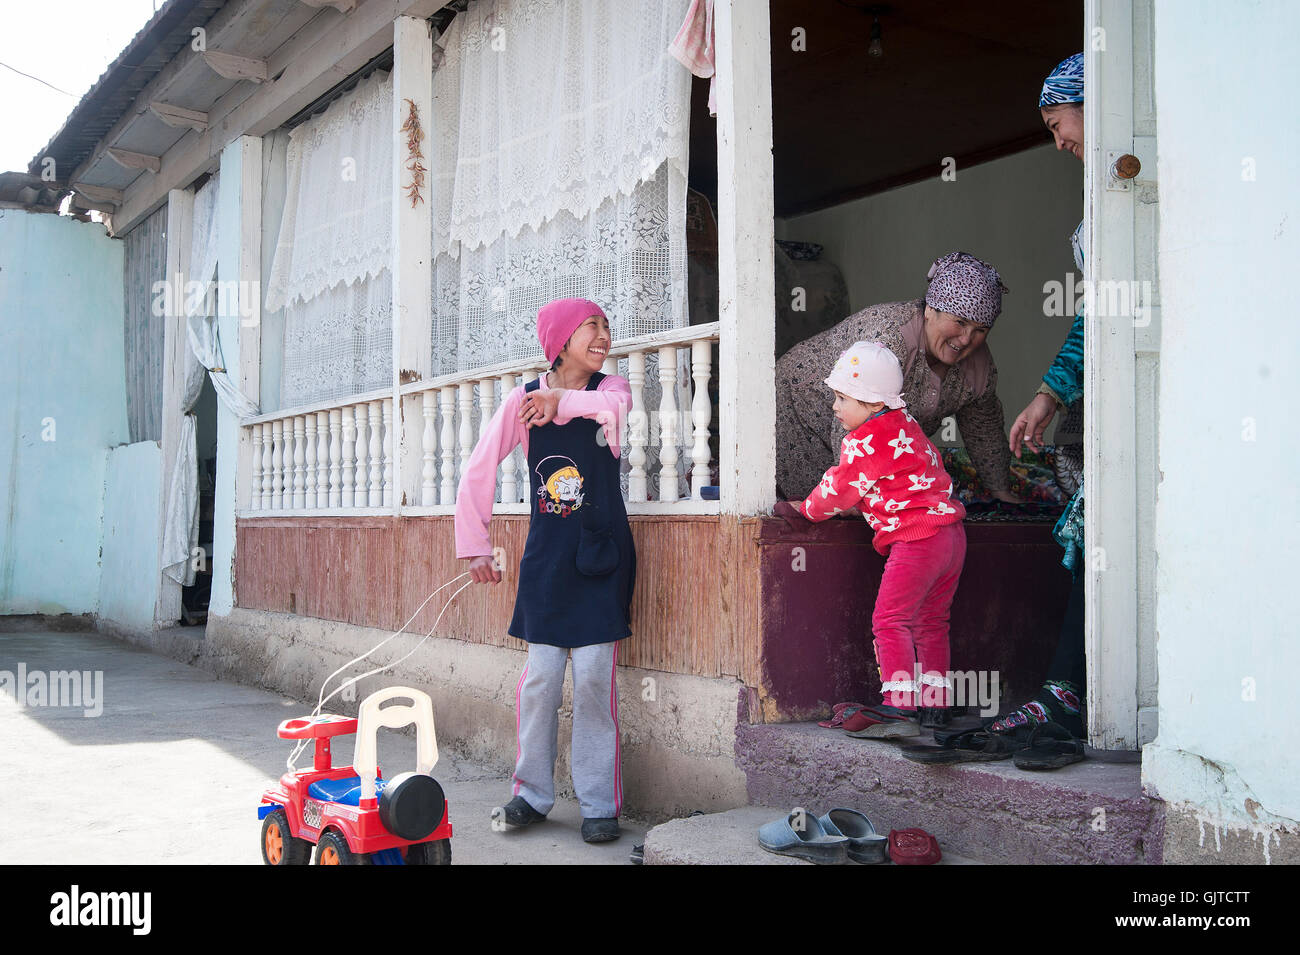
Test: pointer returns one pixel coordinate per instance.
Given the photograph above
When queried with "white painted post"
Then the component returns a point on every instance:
(447, 407)
(412, 260)
(509, 489)
(668, 474)
(636, 428)
(323, 460)
(429, 450)
(348, 461)
(701, 414)
(180, 207)
(376, 449)
(1110, 466)
(746, 285)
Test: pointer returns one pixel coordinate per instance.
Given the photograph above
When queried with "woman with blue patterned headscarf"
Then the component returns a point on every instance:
(1061, 698)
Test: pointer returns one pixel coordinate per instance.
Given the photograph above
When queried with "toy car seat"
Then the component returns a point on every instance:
(411, 805)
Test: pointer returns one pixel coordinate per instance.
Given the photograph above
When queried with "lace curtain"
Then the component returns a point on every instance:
(331, 268)
(559, 157)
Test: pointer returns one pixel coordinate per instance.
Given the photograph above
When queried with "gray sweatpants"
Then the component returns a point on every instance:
(597, 780)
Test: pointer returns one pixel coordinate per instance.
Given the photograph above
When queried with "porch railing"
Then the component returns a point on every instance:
(347, 458)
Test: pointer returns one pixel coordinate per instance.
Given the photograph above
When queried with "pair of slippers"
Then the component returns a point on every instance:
(1044, 746)
(843, 835)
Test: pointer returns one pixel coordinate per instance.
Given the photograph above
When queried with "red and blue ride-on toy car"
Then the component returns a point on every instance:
(351, 813)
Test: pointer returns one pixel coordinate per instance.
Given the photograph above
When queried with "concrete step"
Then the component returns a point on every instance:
(728, 838)
(1091, 812)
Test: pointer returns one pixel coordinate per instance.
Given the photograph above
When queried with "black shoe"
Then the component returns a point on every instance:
(638, 855)
(518, 813)
(600, 830)
(936, 716)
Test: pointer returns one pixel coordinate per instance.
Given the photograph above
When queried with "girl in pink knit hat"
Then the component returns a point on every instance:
(578, 566)
(890, 472)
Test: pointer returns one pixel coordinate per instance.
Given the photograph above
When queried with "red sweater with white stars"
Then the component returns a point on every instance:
(889, 471)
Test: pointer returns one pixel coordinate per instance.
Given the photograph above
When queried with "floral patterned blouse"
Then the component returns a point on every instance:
(808, 436)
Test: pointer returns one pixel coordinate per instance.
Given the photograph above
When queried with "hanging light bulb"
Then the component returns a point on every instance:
(875, 47)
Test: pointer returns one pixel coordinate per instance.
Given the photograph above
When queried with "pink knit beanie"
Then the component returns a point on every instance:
(558, 320)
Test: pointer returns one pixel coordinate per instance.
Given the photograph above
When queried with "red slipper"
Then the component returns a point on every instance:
(839, 713)
(913, 847)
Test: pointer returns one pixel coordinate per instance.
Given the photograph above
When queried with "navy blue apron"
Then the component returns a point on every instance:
(573, 480)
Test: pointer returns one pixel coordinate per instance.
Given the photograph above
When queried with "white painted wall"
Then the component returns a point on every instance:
(129, 577)
(1016, 213)
(1227, 524)
(61, 358)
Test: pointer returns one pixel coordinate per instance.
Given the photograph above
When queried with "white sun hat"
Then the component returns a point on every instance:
(869, 371)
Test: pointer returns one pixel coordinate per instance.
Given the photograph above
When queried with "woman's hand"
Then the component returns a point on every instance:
(540, 407)
(483, 570)
(1032, 422)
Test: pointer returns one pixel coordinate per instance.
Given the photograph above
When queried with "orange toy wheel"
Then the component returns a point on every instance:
(279, 847)
(333, 850)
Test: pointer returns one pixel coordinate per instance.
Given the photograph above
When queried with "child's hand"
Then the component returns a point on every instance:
(483, 570)
(540, 407)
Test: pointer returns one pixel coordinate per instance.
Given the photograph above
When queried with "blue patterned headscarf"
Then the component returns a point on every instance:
(1064, 84)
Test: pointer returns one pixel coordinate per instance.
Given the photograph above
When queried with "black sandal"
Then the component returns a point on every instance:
(970, 746)
(1050, 746)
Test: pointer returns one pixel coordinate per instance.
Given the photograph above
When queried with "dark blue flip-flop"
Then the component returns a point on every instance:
(865, 844)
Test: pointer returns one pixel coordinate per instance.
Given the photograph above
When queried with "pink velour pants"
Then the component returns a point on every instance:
(910, 620)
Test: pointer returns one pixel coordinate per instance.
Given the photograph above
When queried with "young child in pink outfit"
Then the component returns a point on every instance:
(578, 566)
(891, 472)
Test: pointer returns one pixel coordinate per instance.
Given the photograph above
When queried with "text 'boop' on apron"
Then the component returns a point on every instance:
(571, 472)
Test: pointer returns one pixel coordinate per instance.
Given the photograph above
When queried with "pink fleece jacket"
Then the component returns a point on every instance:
(608, 405)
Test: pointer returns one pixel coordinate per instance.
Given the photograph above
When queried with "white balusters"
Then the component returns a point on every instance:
(299, 462)
(266, 465)
(429, 450)
(309, 483)
(255, 498)
(636, 427)
(388, 453)
(466, 445)
(701, 413)
(509, 490)
(668, 474)
(336, 457)
(447, 406)
(376, 449)
(323, 459)
(277, 464)
(348, 460)
(361, 414)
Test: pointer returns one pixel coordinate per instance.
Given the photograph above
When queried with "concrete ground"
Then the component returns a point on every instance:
(172, 769)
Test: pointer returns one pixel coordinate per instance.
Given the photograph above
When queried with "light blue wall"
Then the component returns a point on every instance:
(1227, 520)
(61, 357)
(128, 588)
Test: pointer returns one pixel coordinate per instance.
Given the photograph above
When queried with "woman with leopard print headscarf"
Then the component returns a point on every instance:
(939, 341)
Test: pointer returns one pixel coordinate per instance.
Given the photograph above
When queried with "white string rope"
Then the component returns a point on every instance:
(291, 762)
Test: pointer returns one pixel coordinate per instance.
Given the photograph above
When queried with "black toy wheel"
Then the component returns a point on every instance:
(333, 850)
(279, 847)
(437, 852)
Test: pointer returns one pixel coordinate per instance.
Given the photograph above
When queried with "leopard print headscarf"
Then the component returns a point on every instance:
(965, 286)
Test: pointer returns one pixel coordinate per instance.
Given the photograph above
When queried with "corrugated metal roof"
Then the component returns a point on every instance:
(166, 34)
